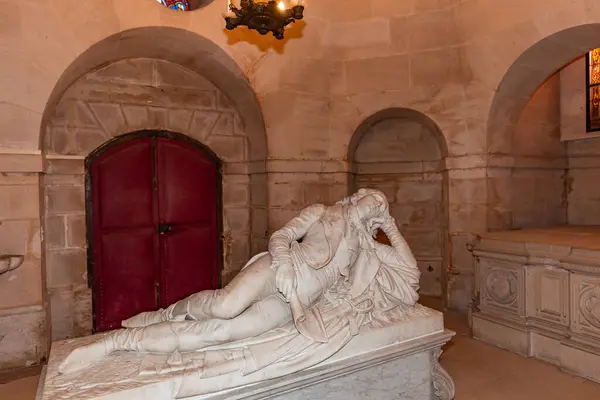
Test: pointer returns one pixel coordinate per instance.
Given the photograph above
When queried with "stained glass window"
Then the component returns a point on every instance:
(181, 5)
(593, 90)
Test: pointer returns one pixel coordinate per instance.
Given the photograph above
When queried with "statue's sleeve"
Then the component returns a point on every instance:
(398, 275)
(296, 228)
(399, 247)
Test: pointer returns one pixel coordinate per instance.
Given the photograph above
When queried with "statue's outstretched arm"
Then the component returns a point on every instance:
(296, 228)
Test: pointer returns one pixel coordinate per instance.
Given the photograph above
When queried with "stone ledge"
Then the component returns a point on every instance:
(307, 166)
(21, 310)
(527, 162)
(20, 162)
(415, 167)
(584, 162)
(567, 354)
(570, 247)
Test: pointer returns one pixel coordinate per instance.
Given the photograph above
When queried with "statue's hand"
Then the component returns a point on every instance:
(285, 279)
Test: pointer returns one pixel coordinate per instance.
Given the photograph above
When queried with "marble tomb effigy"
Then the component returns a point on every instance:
(326, 310)
(538, 294)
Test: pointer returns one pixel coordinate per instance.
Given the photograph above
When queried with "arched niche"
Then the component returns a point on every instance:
(527, 73)
(401, 152)
(524, 133)
(157, 79)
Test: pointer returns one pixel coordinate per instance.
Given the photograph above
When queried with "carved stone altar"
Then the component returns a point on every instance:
(327, 308)
(538, 294)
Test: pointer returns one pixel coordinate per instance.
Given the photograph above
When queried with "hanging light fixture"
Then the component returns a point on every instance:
(264, 17)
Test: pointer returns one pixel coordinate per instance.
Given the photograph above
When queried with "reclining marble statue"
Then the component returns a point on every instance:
(322, 278)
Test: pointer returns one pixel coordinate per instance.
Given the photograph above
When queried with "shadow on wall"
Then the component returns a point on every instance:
(401, 152)
(265, 42)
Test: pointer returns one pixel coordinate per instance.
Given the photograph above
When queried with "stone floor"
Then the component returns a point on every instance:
(481, 372)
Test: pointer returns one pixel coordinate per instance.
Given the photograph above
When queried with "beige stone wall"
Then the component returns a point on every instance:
(290, 192)
(583, 148)
(469, 65)
(531, 193)
(402, 158)
(582, 182)
(121, 98)
(23, 334)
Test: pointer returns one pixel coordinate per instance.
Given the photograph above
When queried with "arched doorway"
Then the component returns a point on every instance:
(401, 152)
(153, 206)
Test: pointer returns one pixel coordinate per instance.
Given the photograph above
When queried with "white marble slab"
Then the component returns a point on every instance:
(401, 368)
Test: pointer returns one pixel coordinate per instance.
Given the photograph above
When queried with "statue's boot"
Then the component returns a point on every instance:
(159, 339)
(162, 338)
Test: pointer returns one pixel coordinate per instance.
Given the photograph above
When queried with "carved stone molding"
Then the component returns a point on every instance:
(442, 384)
(589, 305)
(502, 286)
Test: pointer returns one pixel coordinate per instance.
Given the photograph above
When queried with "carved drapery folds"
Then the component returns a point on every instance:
(442, 384)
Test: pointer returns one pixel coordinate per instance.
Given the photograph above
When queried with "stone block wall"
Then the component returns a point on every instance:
(526, 188)
(121, 98)
(402, 158)
(23, 334)
(467, 64)
(582, 186)
(289, 191)
(65, 251)
(583, 148)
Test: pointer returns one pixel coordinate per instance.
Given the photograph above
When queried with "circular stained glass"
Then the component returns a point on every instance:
(180, 5)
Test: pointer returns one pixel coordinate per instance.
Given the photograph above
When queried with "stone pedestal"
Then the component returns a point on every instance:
(538, 294)
(396, 362)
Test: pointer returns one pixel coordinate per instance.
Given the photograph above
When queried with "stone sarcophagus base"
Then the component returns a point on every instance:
(538, 294)
(399, 361)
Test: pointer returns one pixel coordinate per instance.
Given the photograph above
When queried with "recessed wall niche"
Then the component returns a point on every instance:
(399, 152)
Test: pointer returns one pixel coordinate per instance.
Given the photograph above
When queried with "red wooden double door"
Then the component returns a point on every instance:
(154, 239)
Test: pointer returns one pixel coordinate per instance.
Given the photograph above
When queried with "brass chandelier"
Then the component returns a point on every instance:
(264, 17)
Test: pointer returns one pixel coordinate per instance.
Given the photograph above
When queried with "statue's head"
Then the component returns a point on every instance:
(369, 204)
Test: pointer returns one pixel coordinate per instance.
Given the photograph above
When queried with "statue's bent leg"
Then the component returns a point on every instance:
(254, 283)
(184, 336)
(251, 285)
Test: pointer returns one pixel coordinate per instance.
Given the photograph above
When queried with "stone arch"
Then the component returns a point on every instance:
(397, 113)
(97, 100)
(539, 173)
(527, 73)
(143, 93)
(180, 47)
(401, 152)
